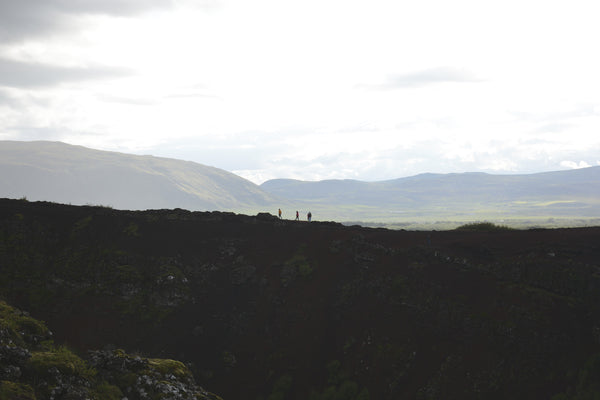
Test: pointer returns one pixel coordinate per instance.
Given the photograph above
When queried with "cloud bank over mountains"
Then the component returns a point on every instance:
(314, 91)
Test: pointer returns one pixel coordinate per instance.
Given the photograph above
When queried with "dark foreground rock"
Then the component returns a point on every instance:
(262, 308)
(33, 367)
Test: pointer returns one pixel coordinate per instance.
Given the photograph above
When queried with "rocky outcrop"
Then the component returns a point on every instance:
(33, 367)
(147, 378)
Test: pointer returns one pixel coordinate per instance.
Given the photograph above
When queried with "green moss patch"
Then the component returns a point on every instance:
(106, 391)
(170, 367)
(16, 391)
(19, 326)
(42, 363)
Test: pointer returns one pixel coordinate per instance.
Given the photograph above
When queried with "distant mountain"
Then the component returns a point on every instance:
(560, 193)
(64, 173)
(441, 187)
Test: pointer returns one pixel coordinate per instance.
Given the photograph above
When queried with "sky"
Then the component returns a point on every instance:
(369, 90)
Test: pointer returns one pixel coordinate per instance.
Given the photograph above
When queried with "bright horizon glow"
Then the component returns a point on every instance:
(314, 90)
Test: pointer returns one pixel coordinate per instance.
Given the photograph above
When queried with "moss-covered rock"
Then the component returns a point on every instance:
(46, 363)
(106, 391)
(32, 367)
(16, 391)
(147, 378)
(18, 328)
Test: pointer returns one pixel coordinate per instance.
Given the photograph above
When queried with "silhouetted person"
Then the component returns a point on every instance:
(309, 216)
(297, 215)
(280, 213)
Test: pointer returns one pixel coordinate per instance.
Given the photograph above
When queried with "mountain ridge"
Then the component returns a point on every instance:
(55, 171)
(584, 175)
(571, 193)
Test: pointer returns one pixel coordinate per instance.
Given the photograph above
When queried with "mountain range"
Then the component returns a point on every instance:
(464, 196)
(63, 173)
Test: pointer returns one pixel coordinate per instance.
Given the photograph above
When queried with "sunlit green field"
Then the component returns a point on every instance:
(443, 216)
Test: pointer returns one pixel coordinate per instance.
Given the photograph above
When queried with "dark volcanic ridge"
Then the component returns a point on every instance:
(263, 308)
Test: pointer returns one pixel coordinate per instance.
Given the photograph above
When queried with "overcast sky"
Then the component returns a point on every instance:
(312, 89)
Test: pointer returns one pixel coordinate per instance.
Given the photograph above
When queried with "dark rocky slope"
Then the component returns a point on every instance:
(33, 367)
(268, 309)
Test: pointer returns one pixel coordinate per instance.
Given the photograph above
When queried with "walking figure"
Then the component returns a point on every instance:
(297, 215)
(280, 213)
(309, 216)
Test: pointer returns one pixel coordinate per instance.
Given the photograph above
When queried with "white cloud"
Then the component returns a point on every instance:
(424, 77)
(574, 165)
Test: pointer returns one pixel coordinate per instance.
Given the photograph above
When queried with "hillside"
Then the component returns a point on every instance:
(58, 172)
(262, 308)
(569, 194)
